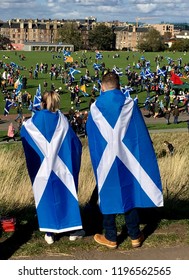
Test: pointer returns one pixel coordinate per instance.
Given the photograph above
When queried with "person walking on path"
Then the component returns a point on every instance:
(126, 170)
(11, 132)
(167, 114)
(176, 114)
(19, 112)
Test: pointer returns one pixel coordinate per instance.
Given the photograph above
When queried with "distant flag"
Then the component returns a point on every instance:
(72, 72)
(13, 65)
(37, 99)
(117, 71)
(18, 81)
(38, 91)
(146, 74)
(97, 66)
(83, 90)
(149, 74)
(99, 55)
(170, 60)
(68, 59)
(18, 85)
(30, 107)
(161, 72)
(9, 103)
(127, 91)
(95, 88)
(18, 89)
(147, 64)
(142, 75)
(99, 82)
(66, 53)
(175, 79)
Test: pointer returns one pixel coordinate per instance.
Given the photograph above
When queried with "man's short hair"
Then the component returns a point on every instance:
(110, 81)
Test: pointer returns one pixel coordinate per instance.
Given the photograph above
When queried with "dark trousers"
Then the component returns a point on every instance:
(131, 221)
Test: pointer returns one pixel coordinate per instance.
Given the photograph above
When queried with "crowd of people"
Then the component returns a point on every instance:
(161, 97)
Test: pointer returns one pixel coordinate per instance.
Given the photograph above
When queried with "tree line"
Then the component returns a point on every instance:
(103, 37)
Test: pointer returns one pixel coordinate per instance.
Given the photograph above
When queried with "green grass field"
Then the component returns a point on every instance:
(124, 59)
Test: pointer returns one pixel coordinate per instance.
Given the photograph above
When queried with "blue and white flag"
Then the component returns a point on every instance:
(99, 55)
(117, 71)
(18, 89)
(9, 103)
(72, 72)
(122, 155)
(37, 99)
(161, 72)
(127, 91)
(66, 53)
(53, 156)
(97, 66)
(149, 74)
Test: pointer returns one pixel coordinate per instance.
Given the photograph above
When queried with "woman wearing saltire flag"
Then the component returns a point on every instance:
(124, 161)
(53, 157)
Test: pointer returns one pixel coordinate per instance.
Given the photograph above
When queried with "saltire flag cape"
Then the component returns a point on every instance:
(53, 156)
(8, 105)
(122, 155)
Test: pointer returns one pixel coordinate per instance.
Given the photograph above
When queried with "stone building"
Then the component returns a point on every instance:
(127, 37)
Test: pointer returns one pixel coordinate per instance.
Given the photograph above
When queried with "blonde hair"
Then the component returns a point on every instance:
(50, 101)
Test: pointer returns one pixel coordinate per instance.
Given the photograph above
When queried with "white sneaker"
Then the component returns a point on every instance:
(49, 239)
(78, 234)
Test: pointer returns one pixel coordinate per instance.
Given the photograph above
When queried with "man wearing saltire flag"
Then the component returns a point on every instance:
(9, 103)
(124, 161)
(53, 157)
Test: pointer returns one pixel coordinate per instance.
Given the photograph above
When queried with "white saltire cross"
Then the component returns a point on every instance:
(51, 161)
(116, 148)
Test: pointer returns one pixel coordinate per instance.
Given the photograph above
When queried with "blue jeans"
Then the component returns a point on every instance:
(131, 221)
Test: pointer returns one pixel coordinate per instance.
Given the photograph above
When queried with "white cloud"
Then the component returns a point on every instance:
(123, 10)
(146, 8)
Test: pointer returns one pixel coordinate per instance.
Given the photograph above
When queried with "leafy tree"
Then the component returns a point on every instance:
(4, 42)
(69, 33)
(101, 37)
(180, 45)
(152, 41)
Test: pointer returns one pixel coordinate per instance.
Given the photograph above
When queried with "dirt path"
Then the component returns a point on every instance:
(5, 120)
(179, 252)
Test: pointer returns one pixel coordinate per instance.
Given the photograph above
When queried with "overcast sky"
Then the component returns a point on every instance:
(154, 11)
